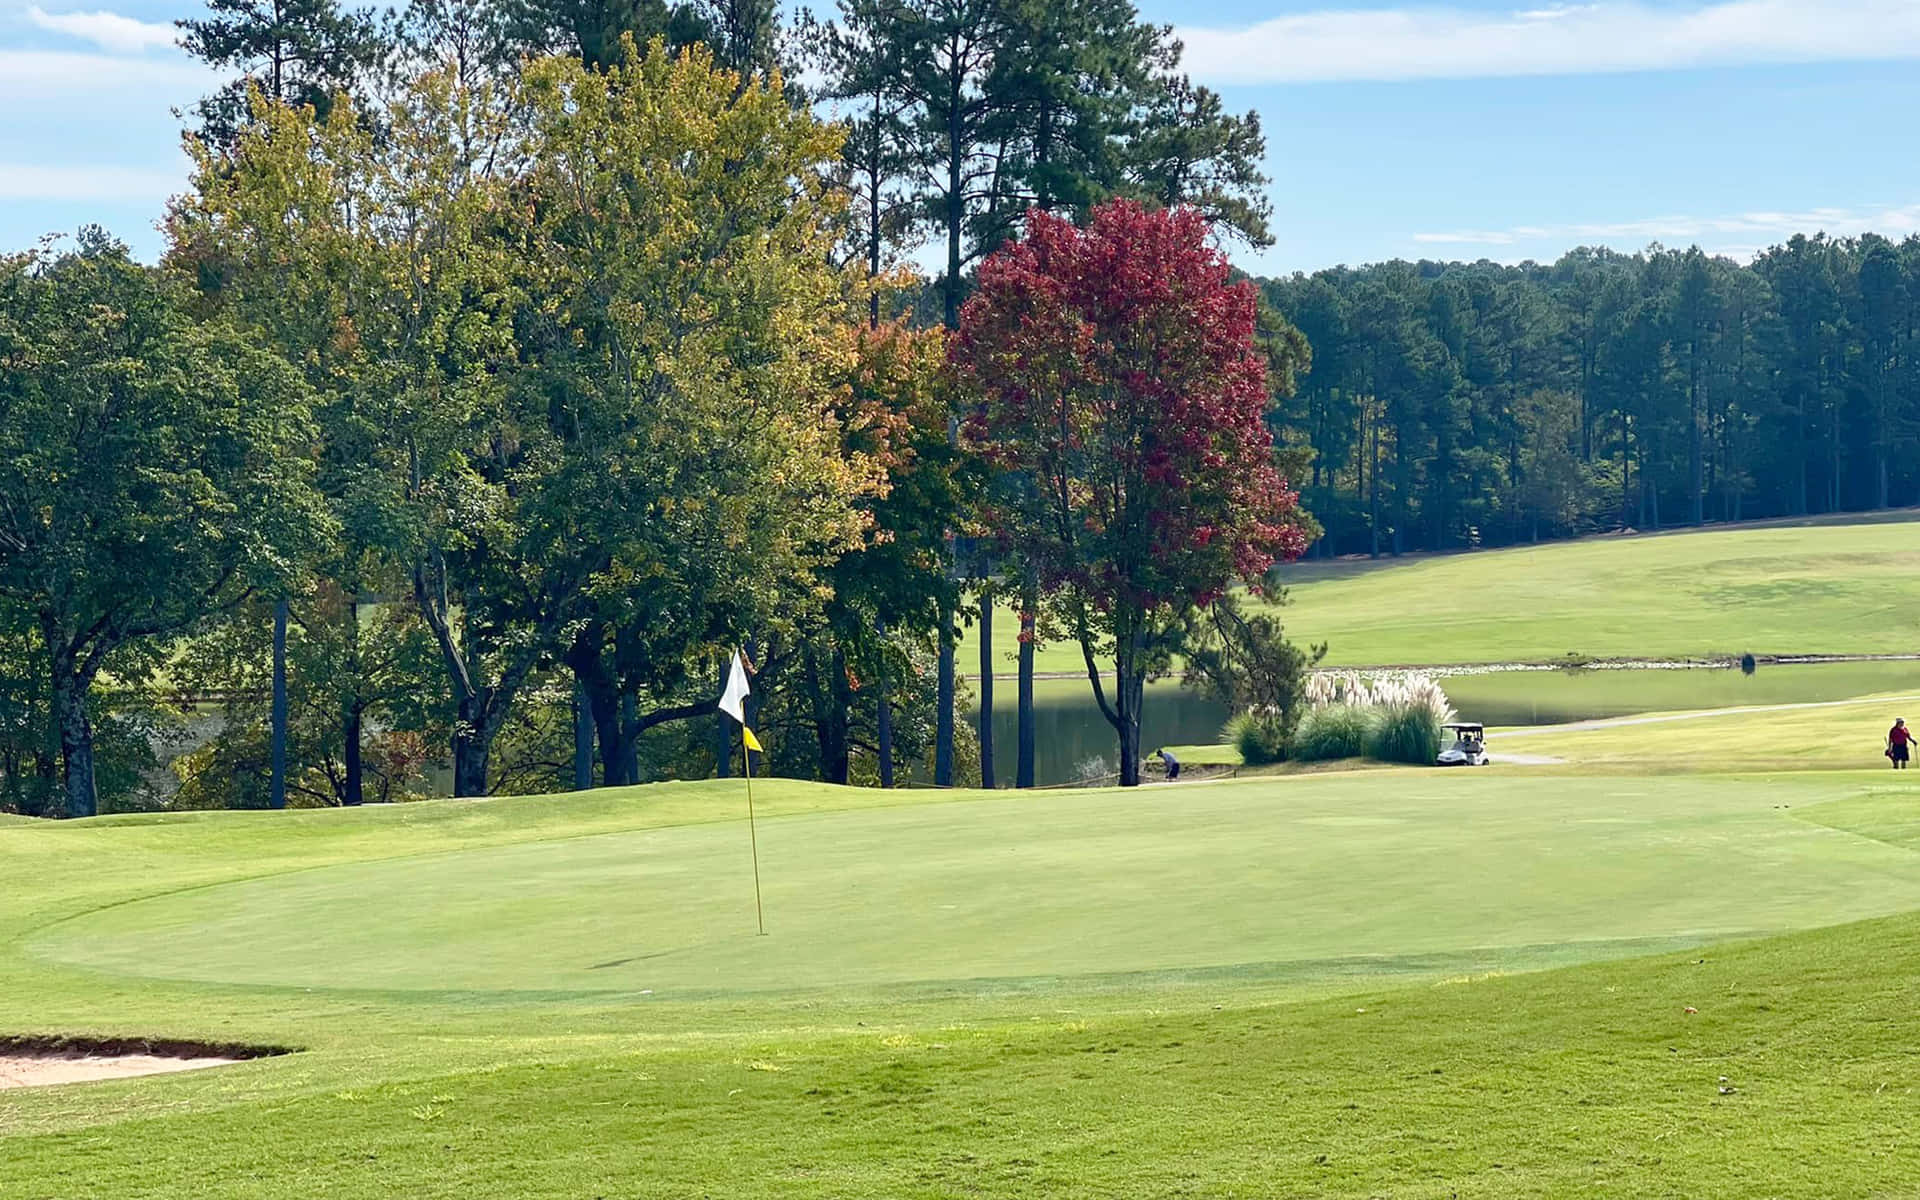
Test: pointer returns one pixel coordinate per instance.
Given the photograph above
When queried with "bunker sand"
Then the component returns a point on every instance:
(19, 1070)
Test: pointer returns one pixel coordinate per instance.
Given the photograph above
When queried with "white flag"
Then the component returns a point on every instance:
(736, 690)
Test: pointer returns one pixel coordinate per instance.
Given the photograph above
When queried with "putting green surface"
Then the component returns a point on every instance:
(1376, 866)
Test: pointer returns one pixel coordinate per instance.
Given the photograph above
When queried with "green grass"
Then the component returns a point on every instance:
(1830, 737)
(1825, 736)
(1086, 994)
(1818, 588)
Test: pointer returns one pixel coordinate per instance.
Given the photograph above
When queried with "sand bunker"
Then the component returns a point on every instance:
(42, 1062)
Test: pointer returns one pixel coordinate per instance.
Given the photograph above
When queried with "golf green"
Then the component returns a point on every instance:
(1278, 874)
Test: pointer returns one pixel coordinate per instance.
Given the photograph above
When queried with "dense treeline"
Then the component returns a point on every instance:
(1454, 404)
(512, 361)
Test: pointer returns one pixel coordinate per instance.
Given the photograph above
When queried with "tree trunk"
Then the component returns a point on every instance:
(1800, 459)
(81, 799)
(943, 704)
(986, 686)
(603, 706)
(582, 738)
(1373, 485)
(1626, 469)
(832, 701)
(597, 717)
(1127, 706)
(277, 787)
(1128, 690)
(353, 789)
(626, 748)
(950, 297)
(1023, 772)
(353, 710)
(883, 719)
(472, 744)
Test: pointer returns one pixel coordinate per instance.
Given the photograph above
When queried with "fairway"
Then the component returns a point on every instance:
(1778, 589)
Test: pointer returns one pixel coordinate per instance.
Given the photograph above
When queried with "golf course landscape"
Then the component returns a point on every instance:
(1674, 954)
(1821, 586)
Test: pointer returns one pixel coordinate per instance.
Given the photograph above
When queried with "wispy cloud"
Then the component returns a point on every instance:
(39, 75)
(41, 181)
(109, 31)
(1738, 235)
(1568, 39)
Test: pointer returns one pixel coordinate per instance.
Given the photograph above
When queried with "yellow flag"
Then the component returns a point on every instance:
(753, 743)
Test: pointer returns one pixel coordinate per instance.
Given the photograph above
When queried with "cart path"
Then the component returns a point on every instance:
(1662, 718)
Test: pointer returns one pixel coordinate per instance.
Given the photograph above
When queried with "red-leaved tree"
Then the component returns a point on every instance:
(1119, 392)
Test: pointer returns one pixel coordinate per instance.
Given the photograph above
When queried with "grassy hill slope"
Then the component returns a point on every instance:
(1818, 588)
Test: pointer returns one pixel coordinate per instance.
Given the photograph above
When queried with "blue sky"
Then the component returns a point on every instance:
(1457, 130)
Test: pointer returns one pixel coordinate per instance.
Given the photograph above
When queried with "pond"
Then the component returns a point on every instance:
(1069, 730)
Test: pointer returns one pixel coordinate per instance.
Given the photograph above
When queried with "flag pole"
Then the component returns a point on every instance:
(753, 839)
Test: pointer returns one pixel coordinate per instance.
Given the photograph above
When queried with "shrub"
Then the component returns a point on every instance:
(1404, 733)
(1261, 738)
(1330, 732)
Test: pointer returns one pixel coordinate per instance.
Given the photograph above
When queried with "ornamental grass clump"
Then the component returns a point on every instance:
(1404, 733)
(1390, 717)
(1332, 731)
(1260, 738)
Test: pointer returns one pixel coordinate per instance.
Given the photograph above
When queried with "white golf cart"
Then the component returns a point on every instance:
(1469, 747)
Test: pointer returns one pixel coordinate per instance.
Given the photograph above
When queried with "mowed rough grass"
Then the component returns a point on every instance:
(1818, 588)
(1816, 737)
(1183, 1041)
(1810, 736)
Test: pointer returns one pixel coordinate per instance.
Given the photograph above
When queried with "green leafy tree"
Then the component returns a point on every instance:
(688, 336)
(1241, 658)
(379, 663)
(155, 471)
(378, 264)
(886, 594)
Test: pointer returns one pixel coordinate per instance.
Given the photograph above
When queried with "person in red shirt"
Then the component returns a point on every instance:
(1898, 739)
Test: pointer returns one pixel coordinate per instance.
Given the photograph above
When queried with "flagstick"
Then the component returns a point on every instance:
(753, 839)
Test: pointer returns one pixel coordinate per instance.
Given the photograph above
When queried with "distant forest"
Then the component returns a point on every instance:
(1452, 405)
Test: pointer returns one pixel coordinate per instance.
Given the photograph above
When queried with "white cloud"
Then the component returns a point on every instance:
(1614, 35)
(109, 31)
(39, 181)
(29, 76)
(1739, 235)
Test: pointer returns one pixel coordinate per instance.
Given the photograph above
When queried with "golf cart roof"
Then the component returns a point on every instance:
(1473, 726)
